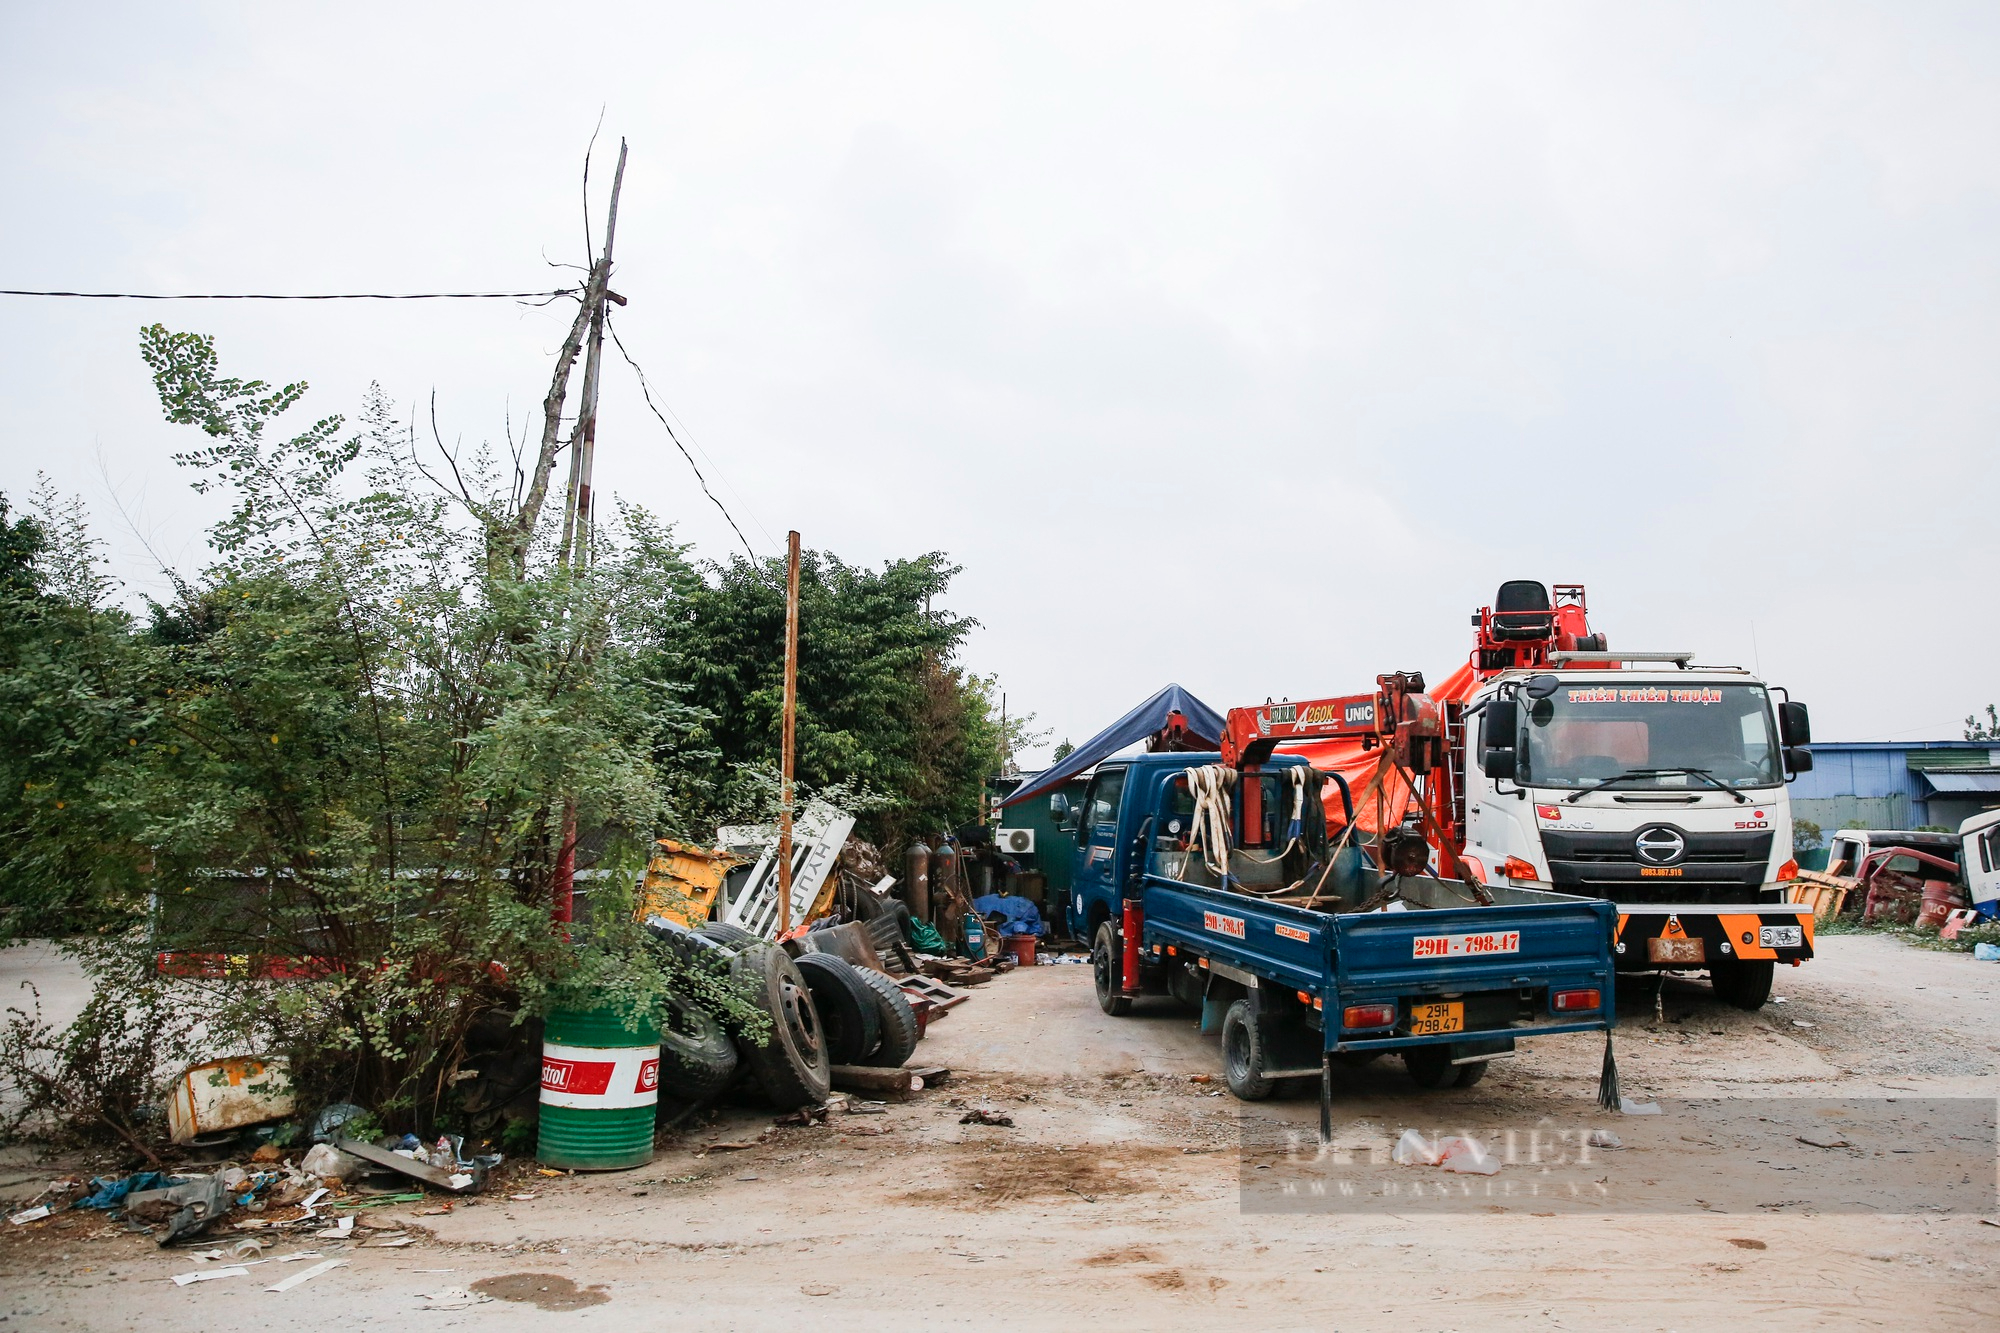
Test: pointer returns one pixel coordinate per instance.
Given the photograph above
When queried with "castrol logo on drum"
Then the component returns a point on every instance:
(582, 1078)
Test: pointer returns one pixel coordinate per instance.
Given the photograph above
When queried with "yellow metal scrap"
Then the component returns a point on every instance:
(681, 881)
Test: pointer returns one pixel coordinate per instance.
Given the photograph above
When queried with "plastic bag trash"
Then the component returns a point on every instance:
(187, 1207)
(326, 1126)
(1626, 1106)
(27, 1215)
(330, 1163)
(1986, 953)
(209, 1274)
(1603, 1138)
(1467, 1157)
(108, 1193)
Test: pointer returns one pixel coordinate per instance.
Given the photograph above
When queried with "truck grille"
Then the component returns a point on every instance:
(1715, 868)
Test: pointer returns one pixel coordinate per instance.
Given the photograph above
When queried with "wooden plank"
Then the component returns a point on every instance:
(868, 1078)
(454, 1182)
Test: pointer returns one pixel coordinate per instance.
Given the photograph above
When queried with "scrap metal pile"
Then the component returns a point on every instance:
(850, 990)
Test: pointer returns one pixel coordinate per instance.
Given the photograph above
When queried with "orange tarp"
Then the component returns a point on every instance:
(1358, 766)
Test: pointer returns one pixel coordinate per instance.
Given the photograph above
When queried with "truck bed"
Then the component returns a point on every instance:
(1500, 962)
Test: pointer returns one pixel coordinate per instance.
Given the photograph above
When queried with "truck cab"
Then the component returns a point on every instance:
(1663, 790)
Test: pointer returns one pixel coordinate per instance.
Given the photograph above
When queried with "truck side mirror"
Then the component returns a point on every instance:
(1798, 761)
(1502, 727)
(1794, 726)
(1059, 810)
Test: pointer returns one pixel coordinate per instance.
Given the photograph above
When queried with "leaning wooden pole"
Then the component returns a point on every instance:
(576, 545)
(583, 440)
(790, 731)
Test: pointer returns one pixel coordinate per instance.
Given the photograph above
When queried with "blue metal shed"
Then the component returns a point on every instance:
(1897, 784)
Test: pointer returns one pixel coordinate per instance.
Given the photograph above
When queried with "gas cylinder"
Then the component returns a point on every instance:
(944, 872)
(917, 880)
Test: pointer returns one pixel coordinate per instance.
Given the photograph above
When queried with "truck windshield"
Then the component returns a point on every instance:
(1583, 734)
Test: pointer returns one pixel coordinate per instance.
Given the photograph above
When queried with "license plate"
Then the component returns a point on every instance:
(1781, 937)
(1666, 949)
(1427, 1020)
(1465, 946)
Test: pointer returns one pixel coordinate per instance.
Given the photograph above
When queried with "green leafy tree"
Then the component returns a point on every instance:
(1989, 730)
(881, 705)
(72, 714)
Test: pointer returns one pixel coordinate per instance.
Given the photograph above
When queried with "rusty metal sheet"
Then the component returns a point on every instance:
(228, 1094)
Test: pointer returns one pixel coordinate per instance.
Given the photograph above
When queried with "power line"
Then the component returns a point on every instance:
(646, 388)
(268, 296)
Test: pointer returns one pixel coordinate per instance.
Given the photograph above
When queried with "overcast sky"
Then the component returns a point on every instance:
(1249, 347)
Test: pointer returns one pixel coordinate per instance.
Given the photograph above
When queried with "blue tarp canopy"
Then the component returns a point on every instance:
(1203, 724)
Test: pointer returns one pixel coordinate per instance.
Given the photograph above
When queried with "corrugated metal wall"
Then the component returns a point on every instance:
(1838, 812)
(1872, 784)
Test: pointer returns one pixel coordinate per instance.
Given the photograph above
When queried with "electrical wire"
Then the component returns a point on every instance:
(268, 296)
(646, 388)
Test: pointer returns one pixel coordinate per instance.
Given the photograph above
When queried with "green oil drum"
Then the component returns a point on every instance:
(600, 1091)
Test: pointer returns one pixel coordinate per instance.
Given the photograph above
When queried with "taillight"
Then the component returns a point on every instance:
(1516, 868)
(1368, 1016)
(1571, 1001)
(1789, 870)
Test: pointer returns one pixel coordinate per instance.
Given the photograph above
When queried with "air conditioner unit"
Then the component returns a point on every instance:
(1015, 841)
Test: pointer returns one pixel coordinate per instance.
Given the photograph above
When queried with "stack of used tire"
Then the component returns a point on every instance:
(823, 1011)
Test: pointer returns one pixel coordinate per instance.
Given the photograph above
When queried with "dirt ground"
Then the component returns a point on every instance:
(1117, 1199)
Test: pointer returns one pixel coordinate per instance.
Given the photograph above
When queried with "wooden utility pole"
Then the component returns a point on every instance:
(583, 440)
(576, 544)
(791, 724)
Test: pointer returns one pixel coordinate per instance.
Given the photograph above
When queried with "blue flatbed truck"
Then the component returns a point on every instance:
(1305, 958)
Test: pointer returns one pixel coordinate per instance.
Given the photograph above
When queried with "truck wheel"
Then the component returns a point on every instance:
(1107, 963)
(899, 1020)
(792, 1064)
(1744, 983)
(723, 933)
(1431, 1066)
(697, 1058)
(845, 1005)
(1243, 1057)
(1472, 1073)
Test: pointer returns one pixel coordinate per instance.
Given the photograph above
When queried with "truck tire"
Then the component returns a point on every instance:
(1431, 1066)
(1472, 1073)
(1244, 1059)
(723, 933)
(846, 1007)
(1107, 963)
(1745, 983)
(899, 1021)
(791, 1064)
(697, 1057)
